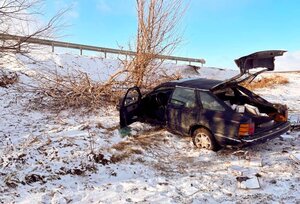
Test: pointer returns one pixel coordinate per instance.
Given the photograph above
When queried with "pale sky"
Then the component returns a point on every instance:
(217, 30)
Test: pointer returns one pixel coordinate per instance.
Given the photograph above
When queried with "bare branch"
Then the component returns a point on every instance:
(156, 35)
(19, 17)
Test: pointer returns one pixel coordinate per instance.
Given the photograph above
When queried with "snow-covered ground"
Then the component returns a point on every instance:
(71, 157)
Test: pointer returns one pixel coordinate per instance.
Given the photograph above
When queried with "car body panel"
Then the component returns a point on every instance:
(181, 118)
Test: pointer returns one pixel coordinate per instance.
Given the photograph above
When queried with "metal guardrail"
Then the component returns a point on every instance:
(53, 44)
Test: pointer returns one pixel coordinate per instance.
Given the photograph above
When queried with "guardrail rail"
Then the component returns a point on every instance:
(53, 44)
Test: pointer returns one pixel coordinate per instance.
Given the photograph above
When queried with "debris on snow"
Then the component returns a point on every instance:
(255, 161)
(286, 137)
(244, 158)
(295, 122)
(236, 170)
(240, 153)
(245, 182)
(242, 171)
(295, 127)
(295, 157)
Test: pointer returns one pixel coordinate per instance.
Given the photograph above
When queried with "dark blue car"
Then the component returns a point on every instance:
(214, 113)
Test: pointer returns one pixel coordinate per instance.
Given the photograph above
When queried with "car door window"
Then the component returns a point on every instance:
(133, 96)
(184, 97)
(209, 102)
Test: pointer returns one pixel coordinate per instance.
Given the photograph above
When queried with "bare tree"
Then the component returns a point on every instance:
(19, 17)
(157, 34)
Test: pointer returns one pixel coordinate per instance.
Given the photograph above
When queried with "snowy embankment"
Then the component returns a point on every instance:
(68, 157)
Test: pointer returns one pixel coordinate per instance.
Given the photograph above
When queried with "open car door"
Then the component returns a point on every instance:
(130, 106)
(262, 59)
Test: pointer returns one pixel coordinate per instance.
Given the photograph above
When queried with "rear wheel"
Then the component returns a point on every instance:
(202, 138)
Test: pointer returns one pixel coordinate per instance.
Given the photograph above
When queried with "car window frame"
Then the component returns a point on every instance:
(183, 106)
(222, 103)
(162, 89)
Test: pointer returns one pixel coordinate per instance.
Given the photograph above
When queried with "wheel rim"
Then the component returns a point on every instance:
(202, 140)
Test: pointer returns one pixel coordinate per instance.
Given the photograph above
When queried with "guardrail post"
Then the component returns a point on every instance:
(52, 45)
(80, 51)
(105, 55)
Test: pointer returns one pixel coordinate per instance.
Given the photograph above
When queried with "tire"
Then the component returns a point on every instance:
(202, 138)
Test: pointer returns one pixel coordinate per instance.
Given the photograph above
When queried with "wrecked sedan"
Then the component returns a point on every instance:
(214, 113)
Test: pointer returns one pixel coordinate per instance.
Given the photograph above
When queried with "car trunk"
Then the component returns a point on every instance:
(263, 114)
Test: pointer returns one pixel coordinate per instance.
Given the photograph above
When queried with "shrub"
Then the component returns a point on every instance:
(63, 91)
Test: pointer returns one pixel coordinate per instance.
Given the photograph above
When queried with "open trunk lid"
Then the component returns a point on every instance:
(262, 59)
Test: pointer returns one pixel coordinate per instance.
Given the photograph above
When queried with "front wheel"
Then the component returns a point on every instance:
(202, 138)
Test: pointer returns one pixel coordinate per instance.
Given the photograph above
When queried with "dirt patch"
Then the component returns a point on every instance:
(32, 178)
(99, 158)
(8, 78)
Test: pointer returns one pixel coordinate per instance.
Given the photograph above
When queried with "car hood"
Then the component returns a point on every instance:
(263, 59)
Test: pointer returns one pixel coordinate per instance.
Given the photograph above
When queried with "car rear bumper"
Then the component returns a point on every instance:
(267, 135)
(257, 138)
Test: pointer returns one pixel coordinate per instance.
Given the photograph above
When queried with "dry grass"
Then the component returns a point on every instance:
(124, 155)
(145, 141)
(266, 82)
(8, 78)
(126, 150)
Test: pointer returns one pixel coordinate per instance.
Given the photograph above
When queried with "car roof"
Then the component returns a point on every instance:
(198, 83)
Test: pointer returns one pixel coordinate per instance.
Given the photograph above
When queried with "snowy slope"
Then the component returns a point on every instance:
(73, 158)
(98, 68)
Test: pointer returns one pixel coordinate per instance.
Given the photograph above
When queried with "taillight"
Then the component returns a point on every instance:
(282, 117)
(246, 129)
